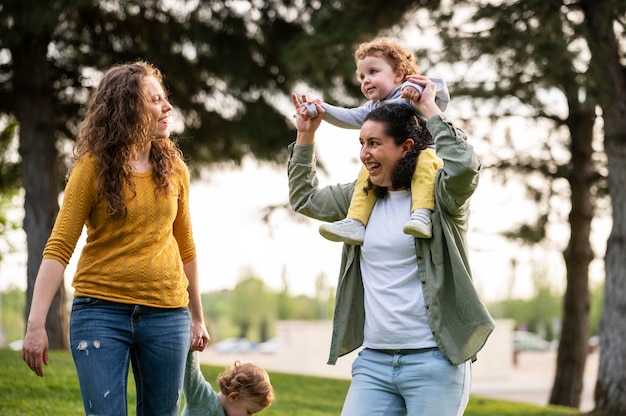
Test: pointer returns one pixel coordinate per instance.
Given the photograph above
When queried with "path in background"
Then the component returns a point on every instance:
(530, 381)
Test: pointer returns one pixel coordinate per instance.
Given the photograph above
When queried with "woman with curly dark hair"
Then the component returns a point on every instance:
(136, 296)
(407, 303)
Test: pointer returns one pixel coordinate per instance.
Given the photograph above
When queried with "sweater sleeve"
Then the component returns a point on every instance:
(182, 229)
(200, 399)
(347, 118)
(78, 200)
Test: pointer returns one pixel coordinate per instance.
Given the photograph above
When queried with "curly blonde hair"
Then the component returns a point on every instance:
(400, 58)
(250, 381)
(116, 127)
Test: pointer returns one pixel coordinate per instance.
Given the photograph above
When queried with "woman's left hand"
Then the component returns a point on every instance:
(425, 102)
(199, 336)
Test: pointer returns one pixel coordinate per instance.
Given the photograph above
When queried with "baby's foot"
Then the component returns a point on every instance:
(420, 225)
(349, 231)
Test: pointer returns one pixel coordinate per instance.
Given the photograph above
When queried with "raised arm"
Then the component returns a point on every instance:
(327, 204)
(306, 125)
(458, 179)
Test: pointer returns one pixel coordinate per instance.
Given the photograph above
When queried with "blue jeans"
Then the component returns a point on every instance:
(424, 383)
(106, 336)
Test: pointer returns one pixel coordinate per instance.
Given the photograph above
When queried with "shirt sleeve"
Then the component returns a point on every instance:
(346, 118)
(459, 177)
(329, 203)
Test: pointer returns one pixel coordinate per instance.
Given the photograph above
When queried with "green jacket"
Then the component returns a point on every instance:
(200, 399)
(460, 322)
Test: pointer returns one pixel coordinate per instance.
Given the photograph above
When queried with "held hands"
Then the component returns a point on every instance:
(199, 336)
(305, 124)
(412, 93)
(424, 101)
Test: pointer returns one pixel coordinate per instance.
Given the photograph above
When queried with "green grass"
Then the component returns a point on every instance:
(22, 393)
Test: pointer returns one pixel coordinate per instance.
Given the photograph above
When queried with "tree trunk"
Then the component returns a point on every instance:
(40, 170)
(610, 392)
(572, 354)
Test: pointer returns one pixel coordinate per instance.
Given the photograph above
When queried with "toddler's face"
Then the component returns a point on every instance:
(377, 77)
(240, 407)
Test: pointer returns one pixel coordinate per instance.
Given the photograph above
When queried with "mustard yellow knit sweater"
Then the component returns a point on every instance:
(135, 260)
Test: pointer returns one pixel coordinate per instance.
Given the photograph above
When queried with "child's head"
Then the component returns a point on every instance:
(245, 389)
(400, 58)
(381, 66)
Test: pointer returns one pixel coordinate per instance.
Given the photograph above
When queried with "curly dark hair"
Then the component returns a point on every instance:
(401, 122)
(117, 125)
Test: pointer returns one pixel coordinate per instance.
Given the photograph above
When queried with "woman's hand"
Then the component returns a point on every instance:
(306, 126)
(35, 349)
(424, 102)
(199, 336)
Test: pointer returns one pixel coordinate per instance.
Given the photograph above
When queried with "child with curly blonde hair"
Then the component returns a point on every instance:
(382, 68)
(244, 389)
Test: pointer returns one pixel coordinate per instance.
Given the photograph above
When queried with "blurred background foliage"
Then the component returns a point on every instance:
(226, 318)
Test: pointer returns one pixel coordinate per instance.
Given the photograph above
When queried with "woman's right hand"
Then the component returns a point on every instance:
(35, 349)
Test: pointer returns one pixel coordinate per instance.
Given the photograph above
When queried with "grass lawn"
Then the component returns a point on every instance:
(22, 393)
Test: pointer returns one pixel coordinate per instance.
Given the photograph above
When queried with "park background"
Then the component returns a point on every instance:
(529, 81)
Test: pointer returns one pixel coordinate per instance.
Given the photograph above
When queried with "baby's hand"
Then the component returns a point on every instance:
(412, 92)
(311, 109)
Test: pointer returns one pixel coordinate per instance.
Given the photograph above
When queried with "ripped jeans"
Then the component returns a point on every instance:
(105, 337)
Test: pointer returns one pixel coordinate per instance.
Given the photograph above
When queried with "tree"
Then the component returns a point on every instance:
(252, 307)
(227, 67)
(284, 304)
(605, 23)
(535, 47)
(10, 174)
(322, 292)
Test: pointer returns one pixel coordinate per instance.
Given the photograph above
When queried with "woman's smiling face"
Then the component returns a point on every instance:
(159, 107)
(380, 153)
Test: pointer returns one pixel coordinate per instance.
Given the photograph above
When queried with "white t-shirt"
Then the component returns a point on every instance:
(395, 314)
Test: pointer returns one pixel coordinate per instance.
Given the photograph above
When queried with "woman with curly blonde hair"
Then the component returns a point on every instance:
(136, 296)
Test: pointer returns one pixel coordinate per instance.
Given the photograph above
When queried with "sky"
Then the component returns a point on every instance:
(233, 242)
